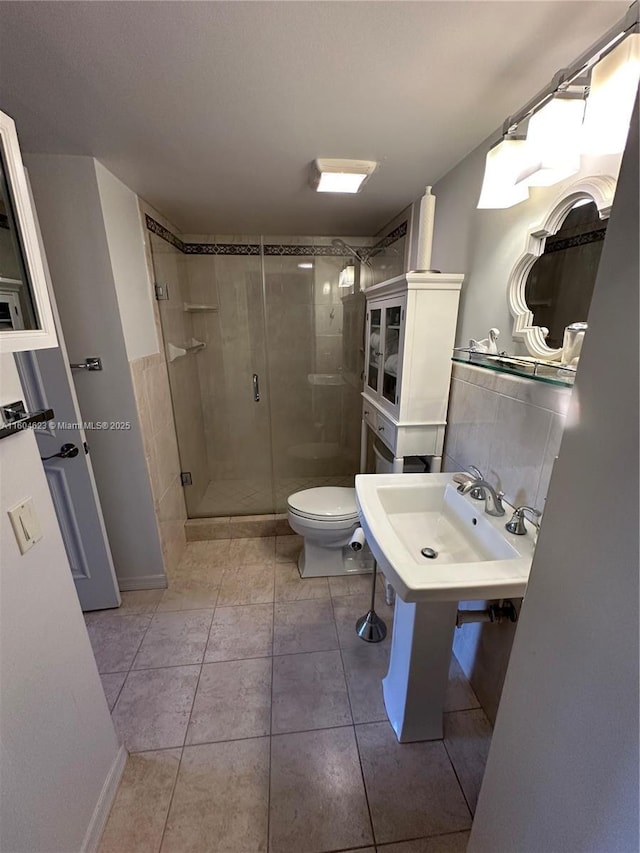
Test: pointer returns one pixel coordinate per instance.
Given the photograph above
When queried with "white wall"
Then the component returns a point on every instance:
(125, 239)
(57, 742)
(69, 207)
(563, 767)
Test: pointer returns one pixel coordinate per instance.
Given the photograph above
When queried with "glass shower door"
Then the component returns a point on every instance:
(214, 333)
(314, 331)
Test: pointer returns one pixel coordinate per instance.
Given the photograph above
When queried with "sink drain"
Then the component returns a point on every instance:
(429, 553)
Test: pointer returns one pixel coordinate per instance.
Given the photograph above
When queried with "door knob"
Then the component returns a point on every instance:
(67, 451)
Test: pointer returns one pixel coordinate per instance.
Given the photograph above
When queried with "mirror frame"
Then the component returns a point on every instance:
(18, 340)
(600, 189)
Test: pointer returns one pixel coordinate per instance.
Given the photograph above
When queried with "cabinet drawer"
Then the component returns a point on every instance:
(386, 431)
(370, 416)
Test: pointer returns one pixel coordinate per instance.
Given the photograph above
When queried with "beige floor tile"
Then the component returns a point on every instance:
(138, 814)
(112, 685)
(221, 799)
(467, 738)
(348, 609)
(455, 842)
(194, 588)
(291, 587)
(361, 850)
(115, 639)
(350, 585)
(288, 548)
(153, 709)
(139, 601)
(309, 692)
(304, 626)
(260, 551)
(412, 789)
(460, 695)
(175, 639)
(209, 553)
(365, 667)
(233, 701)
(240, 632)
(317, 797)
(247, 585)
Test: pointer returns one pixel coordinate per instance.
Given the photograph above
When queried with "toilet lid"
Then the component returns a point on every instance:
(325, 502)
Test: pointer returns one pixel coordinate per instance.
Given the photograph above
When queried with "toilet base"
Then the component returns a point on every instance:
(318, 562)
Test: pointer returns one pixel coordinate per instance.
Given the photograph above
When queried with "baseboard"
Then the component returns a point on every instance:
(105, 801)
(143, 582)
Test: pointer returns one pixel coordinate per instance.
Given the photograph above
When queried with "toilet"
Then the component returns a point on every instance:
(327, 517)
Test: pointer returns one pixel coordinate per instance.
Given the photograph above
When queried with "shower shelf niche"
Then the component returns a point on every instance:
(195, 308)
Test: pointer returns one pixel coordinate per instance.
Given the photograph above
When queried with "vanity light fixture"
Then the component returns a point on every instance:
(614, 83)
(341, 176)
(306, 265)
(553, 142)
(546, 157)
(503, 165)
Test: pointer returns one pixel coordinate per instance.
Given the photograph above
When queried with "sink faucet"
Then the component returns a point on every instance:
(492, 499)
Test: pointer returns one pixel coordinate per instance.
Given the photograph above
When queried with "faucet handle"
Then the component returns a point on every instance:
(516, 523)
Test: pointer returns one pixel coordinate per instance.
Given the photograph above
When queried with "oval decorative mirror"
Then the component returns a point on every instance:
(552, 283)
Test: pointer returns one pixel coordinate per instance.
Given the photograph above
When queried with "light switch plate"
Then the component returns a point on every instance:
(26, 526)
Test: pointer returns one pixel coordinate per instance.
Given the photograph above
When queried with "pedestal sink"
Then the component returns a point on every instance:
(470, 556)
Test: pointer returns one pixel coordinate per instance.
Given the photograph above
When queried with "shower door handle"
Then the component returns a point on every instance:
(256, 388)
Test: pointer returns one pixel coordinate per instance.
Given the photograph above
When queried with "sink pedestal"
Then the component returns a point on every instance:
(416, 683)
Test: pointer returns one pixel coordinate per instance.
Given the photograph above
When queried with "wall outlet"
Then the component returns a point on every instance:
(26, 526)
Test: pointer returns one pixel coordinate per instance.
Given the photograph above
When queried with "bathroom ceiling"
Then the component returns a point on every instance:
(213, 111)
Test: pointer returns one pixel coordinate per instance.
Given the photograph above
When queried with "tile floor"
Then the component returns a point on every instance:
(251, 497)
(254, 718)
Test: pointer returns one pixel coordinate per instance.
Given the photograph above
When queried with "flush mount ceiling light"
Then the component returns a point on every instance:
(553, 142)
(504, 164)
(341, 176)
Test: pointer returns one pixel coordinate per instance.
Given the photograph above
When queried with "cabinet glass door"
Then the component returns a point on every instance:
(392, 319)
(375, 346)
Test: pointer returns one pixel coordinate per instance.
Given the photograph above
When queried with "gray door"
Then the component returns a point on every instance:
(47, 384)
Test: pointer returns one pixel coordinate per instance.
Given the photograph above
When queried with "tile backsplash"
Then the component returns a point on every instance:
(511, 428)
(508, 426)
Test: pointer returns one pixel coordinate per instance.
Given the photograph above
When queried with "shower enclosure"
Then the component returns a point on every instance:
(264, 344)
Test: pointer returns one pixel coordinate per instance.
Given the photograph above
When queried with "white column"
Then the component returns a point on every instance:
(415, 685)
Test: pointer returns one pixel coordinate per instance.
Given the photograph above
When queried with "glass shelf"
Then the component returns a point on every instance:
(553, 373)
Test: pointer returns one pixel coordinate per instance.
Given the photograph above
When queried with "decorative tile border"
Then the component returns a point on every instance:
(163, 232)
(560, 244)
(392, 237)
(270, 249)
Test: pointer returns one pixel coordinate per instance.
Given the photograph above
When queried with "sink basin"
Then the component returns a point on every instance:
(476, 557)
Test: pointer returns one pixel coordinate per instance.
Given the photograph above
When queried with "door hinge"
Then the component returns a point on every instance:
(185, 478)
(162, 291)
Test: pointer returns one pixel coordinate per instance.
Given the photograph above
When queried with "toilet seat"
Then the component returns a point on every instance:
(325, 503)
